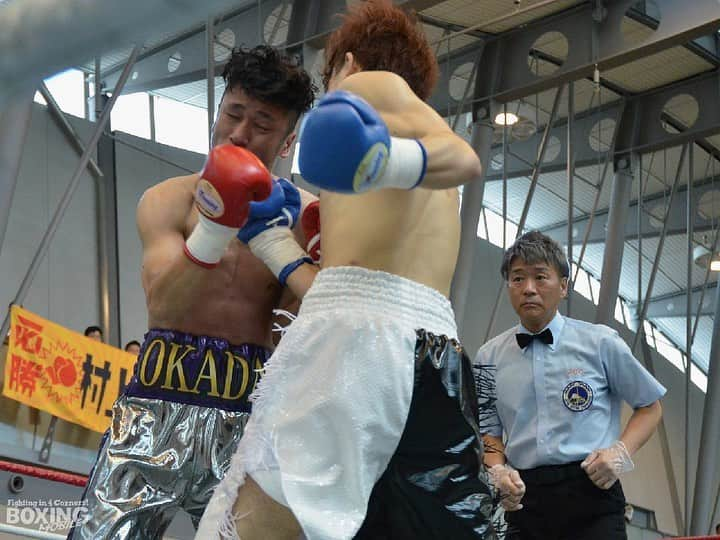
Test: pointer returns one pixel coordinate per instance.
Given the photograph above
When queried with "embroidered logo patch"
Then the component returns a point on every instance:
(578, 396)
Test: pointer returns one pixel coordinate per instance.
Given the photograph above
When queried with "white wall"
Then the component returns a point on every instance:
(137, 171)
(647, 486)
(65, 288)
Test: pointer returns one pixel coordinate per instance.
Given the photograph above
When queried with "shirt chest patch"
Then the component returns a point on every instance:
(577, 396)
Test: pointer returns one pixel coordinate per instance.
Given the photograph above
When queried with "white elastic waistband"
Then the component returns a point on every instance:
(351, 288)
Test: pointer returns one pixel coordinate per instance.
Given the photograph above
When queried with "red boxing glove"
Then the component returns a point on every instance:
(310, 222)
(231, 179)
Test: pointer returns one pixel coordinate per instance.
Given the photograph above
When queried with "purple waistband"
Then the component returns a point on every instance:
(197, 370)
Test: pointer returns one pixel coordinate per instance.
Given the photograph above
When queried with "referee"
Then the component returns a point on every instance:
(553, 387)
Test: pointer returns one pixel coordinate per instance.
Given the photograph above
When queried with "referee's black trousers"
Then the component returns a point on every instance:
(562, 503)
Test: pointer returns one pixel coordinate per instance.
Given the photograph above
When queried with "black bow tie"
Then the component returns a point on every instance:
(524, 339)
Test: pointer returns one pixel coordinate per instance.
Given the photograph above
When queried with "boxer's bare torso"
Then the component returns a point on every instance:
(413, 234)
(234, 300)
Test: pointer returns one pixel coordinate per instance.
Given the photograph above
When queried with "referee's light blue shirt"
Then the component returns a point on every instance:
(557, 403)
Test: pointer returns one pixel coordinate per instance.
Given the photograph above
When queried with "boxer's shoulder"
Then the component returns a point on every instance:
(167, 204)
(176, 188)
(384, 90)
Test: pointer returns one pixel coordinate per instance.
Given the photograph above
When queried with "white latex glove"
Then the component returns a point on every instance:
(605, 465)
(509, 485)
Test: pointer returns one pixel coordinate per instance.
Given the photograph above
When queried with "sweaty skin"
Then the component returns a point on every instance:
(414, 234)
(235, 299)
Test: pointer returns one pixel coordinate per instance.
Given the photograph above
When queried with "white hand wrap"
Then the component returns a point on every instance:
(277, 248)
(406, 165)
(206, 244)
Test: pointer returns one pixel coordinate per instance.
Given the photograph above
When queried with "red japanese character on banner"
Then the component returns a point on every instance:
(62, 372)
(24, 374)
(28, 335)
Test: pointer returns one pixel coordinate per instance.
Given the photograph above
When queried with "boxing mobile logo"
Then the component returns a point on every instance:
(371, 167)
(46, 515)
(208, 200)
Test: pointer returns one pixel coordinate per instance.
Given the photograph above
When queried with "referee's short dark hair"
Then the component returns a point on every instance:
(534, 247)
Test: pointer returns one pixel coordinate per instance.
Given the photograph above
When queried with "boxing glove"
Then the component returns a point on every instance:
(230, 180)
(346, 147)
(310, 222)
(268, 231)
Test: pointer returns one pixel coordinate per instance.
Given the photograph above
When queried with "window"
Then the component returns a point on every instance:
(582, 283)
(67, 88)
(181, 125)
(644, 518)
(131, 114)
(619, 315)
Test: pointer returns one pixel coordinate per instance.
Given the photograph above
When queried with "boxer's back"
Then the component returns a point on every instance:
(413, 234)
(233, 301)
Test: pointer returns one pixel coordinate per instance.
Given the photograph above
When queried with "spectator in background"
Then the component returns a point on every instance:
(717, 529)
(133, 347)
(94, 332)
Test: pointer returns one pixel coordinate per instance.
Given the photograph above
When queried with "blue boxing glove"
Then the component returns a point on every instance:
(268, 231)
(346, 147)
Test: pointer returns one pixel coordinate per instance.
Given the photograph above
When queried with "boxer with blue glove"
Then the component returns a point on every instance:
(268, 231)
(369, 393)
(346, 147)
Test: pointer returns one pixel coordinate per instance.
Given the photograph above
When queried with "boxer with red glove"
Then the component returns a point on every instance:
(232, 178)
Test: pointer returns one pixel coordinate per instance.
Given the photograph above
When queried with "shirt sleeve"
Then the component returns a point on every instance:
(484, 373)
(626, 376)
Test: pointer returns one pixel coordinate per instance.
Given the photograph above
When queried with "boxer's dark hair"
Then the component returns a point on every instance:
(267, 75)
(534, 247)
(383, 37)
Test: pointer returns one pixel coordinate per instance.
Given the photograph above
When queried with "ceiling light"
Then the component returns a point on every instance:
(506, 119)
(702, 256)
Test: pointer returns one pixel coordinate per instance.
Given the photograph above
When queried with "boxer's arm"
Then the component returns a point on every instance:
(301, 279)
(450, 160)
(168, 276)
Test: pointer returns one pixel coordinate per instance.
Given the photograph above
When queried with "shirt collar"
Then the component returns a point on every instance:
(555, 326)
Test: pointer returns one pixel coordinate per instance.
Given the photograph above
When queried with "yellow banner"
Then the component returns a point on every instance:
(62, 372)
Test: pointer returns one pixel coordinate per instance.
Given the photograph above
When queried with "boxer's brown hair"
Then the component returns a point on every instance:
(383, 37)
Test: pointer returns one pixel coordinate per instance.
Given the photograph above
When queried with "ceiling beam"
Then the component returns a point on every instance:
(640, 128)
(31, 31)
(594, 42)
(650, 225)
(675, 304)
(153, 70)
(310, 23)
